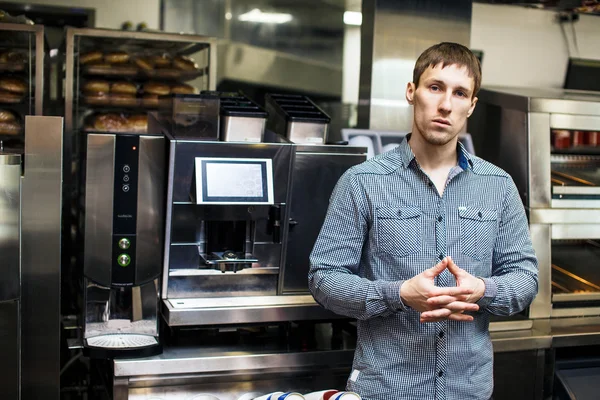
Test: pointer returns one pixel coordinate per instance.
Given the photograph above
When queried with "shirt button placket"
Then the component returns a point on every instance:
(441, 327)
(441, 360)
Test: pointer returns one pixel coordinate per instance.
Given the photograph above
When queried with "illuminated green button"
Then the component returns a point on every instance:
(124, 260)
(124, 244)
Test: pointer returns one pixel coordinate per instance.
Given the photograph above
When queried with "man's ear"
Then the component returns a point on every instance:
(410, 92)
(473, 103)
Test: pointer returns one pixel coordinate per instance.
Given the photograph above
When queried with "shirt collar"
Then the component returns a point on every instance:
(465, 159)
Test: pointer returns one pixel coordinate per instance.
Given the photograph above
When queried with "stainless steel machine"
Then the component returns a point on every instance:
(227, 204)
(124, 227)
(10, 280)
(547, 140)
(242, 214)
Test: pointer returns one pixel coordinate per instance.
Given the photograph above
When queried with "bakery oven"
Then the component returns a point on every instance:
(548, 141)
(21, 80)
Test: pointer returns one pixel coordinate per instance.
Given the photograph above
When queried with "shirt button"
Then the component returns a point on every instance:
(440, 373)
(441, 256)
(430, 184)
(440, 218)
(441, 334)
(479, 214)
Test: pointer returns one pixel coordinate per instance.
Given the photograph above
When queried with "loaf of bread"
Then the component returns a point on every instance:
(138, 123)
(183, 88)
(113, 122)
(10, 97)
(97, 99)
(91, 57)
(184, 63)
(156, 88)
(7, 116)
(95, 86)
(10, 127)
(150, 100)
(13, 85)
(162, 61)
(123, 88)
(121, 99)
(117, 57)
(11, 57)
(144, 63)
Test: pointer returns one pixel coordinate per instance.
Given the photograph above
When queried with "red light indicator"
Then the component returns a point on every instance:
(134, 147)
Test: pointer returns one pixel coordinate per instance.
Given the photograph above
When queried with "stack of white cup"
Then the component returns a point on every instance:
(331, 394)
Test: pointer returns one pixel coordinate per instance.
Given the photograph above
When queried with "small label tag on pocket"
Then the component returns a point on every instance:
(354, 375)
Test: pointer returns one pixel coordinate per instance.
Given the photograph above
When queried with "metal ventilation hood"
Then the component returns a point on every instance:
(258, 66)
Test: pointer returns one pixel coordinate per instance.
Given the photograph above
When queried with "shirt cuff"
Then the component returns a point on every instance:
(391, 295)
(489, 294)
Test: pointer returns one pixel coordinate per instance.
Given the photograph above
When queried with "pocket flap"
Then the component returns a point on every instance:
(398, 213)
(478, 214)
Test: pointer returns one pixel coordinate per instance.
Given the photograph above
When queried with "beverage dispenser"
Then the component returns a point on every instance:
(123, 243)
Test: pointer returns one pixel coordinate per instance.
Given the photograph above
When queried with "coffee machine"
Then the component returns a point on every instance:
(123, 243)
(226, 212)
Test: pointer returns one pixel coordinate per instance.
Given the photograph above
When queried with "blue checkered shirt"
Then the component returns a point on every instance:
(387, 223)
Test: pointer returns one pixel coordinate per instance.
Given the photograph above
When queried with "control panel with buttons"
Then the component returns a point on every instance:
(125, 210)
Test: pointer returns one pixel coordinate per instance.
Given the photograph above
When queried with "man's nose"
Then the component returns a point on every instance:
(445, 104)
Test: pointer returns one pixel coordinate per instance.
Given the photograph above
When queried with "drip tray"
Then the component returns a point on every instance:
(575, 272)
(120, 341)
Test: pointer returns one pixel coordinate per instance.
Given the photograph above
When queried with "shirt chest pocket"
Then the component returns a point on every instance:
(399, 230)
(478, 229)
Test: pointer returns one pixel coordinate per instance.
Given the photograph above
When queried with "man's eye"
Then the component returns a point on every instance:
(435, 88)
(461, 94)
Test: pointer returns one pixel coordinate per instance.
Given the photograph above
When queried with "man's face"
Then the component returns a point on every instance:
(442, 103)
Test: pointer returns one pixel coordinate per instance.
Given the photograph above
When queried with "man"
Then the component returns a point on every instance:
(422, 244)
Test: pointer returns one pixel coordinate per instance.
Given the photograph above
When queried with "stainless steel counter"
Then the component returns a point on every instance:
(241, 371)
(232, 372)
(189, 361)
(228, 373)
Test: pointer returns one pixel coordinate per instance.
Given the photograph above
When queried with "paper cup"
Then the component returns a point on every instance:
(345, 396)
(320, 395)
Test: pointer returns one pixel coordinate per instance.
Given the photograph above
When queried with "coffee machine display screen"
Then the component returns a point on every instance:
(234, 180)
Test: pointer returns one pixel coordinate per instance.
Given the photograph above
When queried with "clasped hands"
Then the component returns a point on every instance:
(440, 303)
